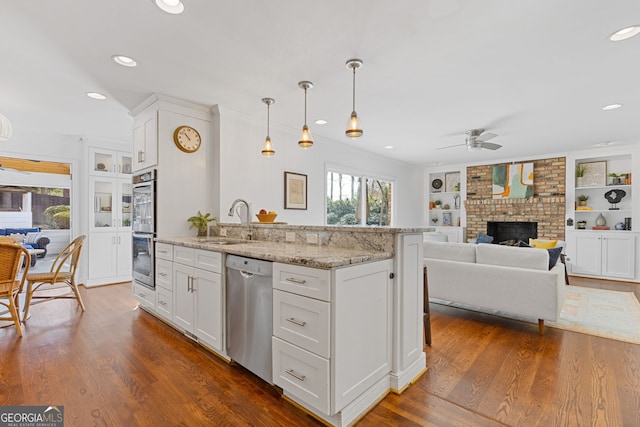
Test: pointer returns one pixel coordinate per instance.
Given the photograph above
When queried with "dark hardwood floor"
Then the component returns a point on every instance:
(117, 366)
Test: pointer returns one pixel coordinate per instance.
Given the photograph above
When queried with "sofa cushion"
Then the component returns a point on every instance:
(484, 238)
(32, 238)
(451, 251)
(543, 244)
(512, 256)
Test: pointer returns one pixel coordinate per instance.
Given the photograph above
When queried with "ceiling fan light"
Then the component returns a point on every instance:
(306, 141)
(6, 130)
(474, 148)
(354, 127)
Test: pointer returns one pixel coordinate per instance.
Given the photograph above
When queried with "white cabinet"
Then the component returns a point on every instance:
(111, 208)
(145, 140)
(109, 196)
(332, 334)
(145, 296)
(602, 254)
(109, 258)
(109, 162)
(454, 234)
(197, 294)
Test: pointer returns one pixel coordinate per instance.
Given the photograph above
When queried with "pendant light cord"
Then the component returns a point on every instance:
(268, 107)
(305, 106)
(354, 89)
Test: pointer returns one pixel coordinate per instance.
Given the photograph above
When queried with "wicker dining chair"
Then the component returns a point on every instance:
(62, 271)
(12, 256)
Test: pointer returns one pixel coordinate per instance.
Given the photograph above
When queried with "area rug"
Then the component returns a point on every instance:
(608, 314)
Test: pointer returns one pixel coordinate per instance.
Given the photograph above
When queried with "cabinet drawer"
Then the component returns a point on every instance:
(208, 260)
(302, 321)
(164, 251)
(164, 303)
(184, 255)
(146, 296)
(301, 374)
(163, 274)
(306, 281)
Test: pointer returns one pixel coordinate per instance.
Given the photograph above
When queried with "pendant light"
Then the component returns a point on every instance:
(267, 148)
(5, 128)
(306, 141)
(354, 127)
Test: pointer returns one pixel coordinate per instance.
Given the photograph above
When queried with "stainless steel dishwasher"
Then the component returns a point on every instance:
(249, 314)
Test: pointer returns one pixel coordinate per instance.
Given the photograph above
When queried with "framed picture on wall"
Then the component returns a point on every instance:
(452, 182)
(594, 174)
(295, 191)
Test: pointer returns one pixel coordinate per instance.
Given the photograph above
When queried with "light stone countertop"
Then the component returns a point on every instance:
(316, 256)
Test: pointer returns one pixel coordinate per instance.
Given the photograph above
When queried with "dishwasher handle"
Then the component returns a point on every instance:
(246, 274)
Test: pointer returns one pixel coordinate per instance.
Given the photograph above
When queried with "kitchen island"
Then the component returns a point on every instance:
(347, 311)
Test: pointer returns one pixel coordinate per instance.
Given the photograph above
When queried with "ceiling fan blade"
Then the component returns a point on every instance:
(450, 146)
(490, 145)
(485, 136)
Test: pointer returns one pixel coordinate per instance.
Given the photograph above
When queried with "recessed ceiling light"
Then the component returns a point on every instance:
(611, 107)
(388, 147)
(174, 7)
(320, 122)
(124, 60)
(605, 144)
(625, 33)
(96, 95)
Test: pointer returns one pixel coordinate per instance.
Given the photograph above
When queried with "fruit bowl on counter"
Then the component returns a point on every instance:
(267, 217)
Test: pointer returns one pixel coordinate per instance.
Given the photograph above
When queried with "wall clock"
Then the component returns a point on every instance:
(187, 139)
(436, 183)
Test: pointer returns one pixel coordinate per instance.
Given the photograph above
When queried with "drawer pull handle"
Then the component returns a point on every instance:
(296, 321)
(296, 375)
(162, 274)
(294, 280)
(162, 303)
(162, 252)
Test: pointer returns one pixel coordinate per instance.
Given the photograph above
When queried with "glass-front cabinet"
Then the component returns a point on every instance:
(109, 162)
(111, 204)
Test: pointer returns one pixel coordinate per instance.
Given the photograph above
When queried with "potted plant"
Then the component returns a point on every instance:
(582, 200)
(580, 171)
(616, 179)
(201, 222)
(438, 203)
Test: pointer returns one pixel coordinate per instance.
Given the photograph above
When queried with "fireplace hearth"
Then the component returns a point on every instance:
(514, 231)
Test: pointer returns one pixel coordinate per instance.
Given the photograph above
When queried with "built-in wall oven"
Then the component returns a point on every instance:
(143, 226)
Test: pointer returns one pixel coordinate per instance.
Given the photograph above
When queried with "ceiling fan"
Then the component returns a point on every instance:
(476, 140)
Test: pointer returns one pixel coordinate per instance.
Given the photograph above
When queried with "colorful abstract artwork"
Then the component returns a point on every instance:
(513, 181)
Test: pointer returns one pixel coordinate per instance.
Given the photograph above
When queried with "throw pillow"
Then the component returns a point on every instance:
(18, 237)
(484, 238)
(554, 254)
(543, 244)
(32, 238)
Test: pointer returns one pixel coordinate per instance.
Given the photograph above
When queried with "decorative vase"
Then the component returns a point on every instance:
(582, 203)
(202, 231)
(579, 181)
(601, 220)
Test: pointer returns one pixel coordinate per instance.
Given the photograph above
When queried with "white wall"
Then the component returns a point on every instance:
(246, 174)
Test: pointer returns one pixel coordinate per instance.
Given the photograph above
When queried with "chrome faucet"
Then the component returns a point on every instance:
(234, 209)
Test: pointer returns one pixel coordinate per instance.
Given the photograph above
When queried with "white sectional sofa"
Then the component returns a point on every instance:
(504, 278)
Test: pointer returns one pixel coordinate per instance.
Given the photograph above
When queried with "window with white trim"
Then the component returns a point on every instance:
(358, 199)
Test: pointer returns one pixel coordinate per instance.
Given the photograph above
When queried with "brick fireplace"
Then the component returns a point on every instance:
(546, 207)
